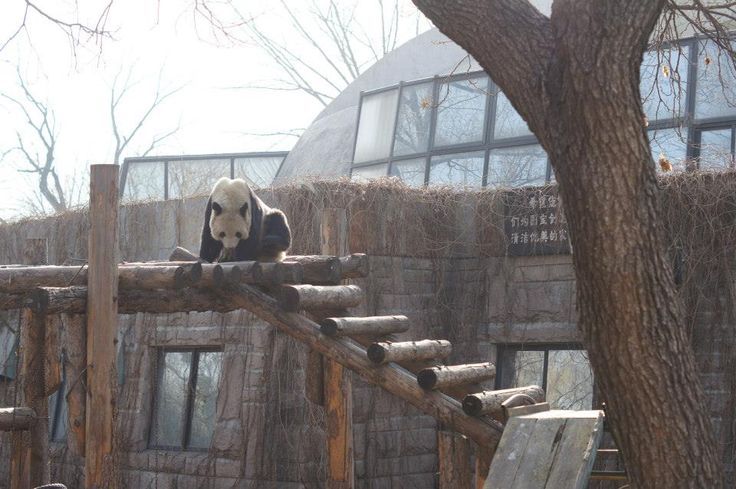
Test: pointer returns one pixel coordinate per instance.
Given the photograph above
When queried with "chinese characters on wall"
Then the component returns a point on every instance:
(534, 223)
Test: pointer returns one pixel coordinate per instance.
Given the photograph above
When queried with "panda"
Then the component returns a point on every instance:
(238, 226)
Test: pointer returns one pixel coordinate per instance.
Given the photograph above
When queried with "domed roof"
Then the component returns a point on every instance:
(326, 146)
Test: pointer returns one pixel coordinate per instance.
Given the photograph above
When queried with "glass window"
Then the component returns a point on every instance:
(670, 143)
(411, 172)
(461, 110)
(171, 399)
(144, 181)
(376, 126)
(517, 166)
(465, 169)
(205, 399)
(195, 177)
(715, 149)
(663, 83)
(8, 347)
(365, 173)
(509, 123)
(716, 92)
(563, 373)
(415, 114)
(258, 171)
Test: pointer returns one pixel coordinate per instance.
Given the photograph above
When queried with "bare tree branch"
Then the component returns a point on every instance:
(117, 94)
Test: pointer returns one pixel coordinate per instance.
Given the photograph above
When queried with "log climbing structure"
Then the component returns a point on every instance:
(305, 297)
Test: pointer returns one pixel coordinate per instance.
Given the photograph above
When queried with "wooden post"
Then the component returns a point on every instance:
(29, 457)
(337, 382)
(453, 452)
(483, 457)
(102, 319)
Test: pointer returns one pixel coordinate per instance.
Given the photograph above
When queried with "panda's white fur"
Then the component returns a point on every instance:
(238, 226)
(230, 224)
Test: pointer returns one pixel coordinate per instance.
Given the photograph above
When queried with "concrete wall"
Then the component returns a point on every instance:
(435, 255)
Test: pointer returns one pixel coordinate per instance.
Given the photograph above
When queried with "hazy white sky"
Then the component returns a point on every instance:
(150, 37)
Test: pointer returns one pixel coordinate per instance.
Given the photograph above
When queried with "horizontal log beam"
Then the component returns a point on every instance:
(350, 266)
(182, 254)
(489, 402)
(374, 326)
(17, 418)
(444, 377)
(24, 280)
(392, 378)
(413, 351)
(319, 269)
(272, 274)
(294, 298)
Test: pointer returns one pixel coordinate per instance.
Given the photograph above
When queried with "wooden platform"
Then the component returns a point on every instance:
(547, 450)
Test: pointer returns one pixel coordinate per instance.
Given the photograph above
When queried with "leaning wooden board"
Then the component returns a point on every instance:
(547, 450)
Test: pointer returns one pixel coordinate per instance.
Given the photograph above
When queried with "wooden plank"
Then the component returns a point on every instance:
(483, 458)
(102, 319)
(577, 451)
(453, 453)
(314, 379)
(547, 450)
(338, 396)
(52, 355)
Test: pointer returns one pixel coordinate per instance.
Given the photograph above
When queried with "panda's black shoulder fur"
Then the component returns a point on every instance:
(268, 240)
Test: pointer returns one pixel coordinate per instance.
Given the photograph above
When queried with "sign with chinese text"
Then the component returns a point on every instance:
(534, 223)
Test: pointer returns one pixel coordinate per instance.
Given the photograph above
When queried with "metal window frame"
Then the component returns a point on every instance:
(690, 46)
(502, 348)
(191, 386)
(166, 159)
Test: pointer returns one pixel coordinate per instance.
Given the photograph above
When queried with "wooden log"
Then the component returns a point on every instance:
(338, 384)
(392, 378)
(13, 301)
(23, 280)
(483, 457)
(355, 265)
(75, 343)
(102, 321)
(452, 376)
(319, 269)
(374, 326)
(17, 419)
(489, 402)
(453, 454)
(212, 276)
(272, 274)
(384, 352)
(319, 297)
(32, 375)
(182, 254)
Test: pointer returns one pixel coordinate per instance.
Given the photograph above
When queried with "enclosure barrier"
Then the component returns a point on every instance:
(303, 296)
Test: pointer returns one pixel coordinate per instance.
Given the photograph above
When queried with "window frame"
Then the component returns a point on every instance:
(691, 127)
(545, 347)
(127, 162)
(186, 422)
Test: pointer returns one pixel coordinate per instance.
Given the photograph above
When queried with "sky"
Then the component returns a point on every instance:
(164, 43)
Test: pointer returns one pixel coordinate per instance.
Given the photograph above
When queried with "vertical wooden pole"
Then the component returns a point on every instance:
(483, 457)
(453, 451)
(102, 319)
(337, 382)
(29, 459)
(34, 391)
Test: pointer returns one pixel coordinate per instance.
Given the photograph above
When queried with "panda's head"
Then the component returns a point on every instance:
(231, 213)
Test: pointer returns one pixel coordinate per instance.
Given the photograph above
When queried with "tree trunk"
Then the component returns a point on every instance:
(574, 78)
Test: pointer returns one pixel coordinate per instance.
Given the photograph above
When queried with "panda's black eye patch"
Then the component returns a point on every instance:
(244, 209)
(222, 234)
(217, 208)
(238, 235)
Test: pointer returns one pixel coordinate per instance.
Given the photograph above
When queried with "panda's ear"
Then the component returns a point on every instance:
(244, 209)
(216, 208)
